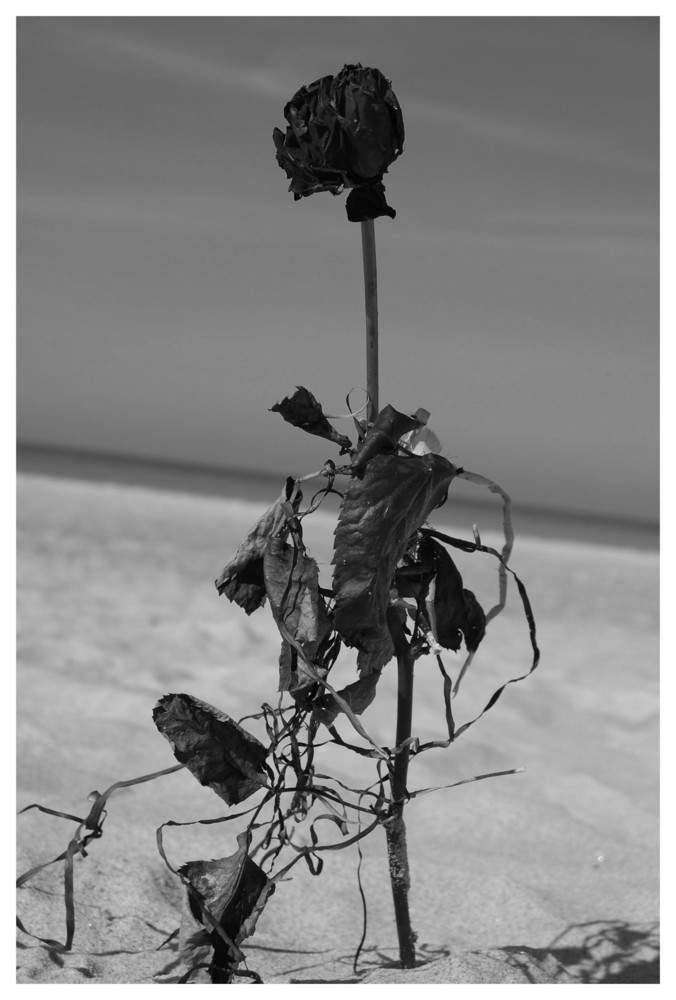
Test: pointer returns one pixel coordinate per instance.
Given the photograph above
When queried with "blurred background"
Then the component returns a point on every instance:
(170, 291)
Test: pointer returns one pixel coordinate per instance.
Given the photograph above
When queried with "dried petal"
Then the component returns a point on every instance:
(343, 132)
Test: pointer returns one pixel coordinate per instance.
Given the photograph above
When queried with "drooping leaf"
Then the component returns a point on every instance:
(379, 513)
(358, 696)
(292, 583)
(474, 628)
(302, 409)
(294, 675)
(457, 612)
(383, 436)
(232, 891)
(416, 571)
(242, 580)
(376, 650)
(214, 748)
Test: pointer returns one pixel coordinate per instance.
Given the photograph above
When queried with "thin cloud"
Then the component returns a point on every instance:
(551, 249)
(530, 138)
(586, 218)
(227, 216)
(629, 255)
(199, 68)
(206, 215)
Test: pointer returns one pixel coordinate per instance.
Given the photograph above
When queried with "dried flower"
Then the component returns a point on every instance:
(343, 132)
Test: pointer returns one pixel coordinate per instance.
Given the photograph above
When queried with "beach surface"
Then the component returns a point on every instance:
(545, 876)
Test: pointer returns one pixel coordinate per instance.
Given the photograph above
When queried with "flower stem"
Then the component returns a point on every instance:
(368, 243)
(395, 827)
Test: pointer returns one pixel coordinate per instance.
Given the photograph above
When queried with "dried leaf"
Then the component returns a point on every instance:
(294, 675)
(375, 652)
(358, 696)
(242, 580)
(301, 409)
(292, 582)
(383, 436)
(457, 613)
(378, 515)
(214, 748)
(234, 891)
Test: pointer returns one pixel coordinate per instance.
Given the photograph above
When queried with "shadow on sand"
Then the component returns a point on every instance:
(599, 951)
(608, 951)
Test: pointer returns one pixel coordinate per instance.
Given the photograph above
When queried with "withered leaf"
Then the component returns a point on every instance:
(234, 891)
(214, 748)
(292, 583)
(302, 409)
(242, 580)
(358, 696)
(457, 612)
(294, 675)
(383, 435)
(378, 515)
(375, 651)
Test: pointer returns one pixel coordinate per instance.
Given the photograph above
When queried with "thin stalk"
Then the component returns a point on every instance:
(395, 827)
(368, 244)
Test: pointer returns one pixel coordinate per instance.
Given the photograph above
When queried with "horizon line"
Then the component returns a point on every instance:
(32, 456)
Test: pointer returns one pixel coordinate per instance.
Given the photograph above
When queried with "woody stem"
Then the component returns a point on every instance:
(368, 243)
(395, 828)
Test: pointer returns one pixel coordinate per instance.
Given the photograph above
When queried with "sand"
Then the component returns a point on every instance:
(546, 876)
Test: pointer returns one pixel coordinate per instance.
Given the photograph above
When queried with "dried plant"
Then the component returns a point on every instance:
(396, 594)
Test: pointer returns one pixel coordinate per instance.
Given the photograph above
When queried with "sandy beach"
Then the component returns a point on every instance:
(545, 876)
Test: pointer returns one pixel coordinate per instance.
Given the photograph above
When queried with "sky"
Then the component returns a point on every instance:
(170, 290)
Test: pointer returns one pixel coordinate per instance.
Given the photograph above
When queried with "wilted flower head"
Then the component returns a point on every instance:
(343, 132)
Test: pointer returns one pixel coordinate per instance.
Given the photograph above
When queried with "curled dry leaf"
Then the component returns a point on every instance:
(358, 696)
(242, 580)
(456, 612)
(294, 675)
(379, 513)
(376, 652)
(292, 583)
(383, 436)
(234, 891)
(301, 409)
(214, 748)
